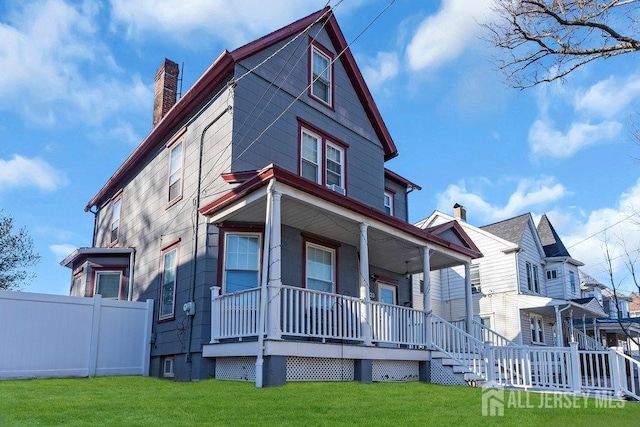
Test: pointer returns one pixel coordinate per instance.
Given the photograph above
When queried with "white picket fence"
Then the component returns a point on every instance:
(61, 336)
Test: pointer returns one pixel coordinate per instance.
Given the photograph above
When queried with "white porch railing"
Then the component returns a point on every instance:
(483, 333)
(585, 342)
(234, 315)
(398, 325)
(317, 314)
(458, 344)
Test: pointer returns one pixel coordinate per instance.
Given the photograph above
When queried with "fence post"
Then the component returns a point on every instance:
(576, 371)
(95, 336)
(215, 314)
(490, 361)
(617, 373)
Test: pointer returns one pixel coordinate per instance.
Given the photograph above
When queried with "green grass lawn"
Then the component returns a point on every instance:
(148, 401)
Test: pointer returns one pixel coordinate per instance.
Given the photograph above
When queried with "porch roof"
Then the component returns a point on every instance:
(393, 244)
(546, 306)
(81, 253)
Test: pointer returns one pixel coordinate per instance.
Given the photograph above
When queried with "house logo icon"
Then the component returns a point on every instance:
(492, 402)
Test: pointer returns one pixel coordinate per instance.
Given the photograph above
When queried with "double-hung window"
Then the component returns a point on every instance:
(241, 261)
(572, 282)
(388, 202)
(533, 283)
(474, 272)
(320, 268)
(321, 75)
(168, 282)
(175, 172)
(108, 284)
(322, 160)
(537, 329)
(115, 220)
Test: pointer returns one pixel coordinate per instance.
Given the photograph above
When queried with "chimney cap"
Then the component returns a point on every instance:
(458, 205)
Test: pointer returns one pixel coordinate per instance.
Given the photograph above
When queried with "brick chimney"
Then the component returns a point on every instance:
(459, 212)
(166, 90)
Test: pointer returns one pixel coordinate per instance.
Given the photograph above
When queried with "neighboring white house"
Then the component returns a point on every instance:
(526, 286)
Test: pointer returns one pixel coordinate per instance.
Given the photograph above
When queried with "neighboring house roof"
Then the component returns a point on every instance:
(551, 243)
(510, 229)
(82, 253)
(453, 232)
(222, 68)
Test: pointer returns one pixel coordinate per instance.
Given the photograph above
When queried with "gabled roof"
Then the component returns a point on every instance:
(511, 229)
(551, 243)
(453, 229)
(222, 69)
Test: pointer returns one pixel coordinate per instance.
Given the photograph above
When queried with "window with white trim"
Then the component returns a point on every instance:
(115, 220)
(572, 281)
(241, 261)
(533, 283)
(167, 367)
(175, 172)
(168, 283)
(537, 329)
(474, 272)
(108, 284)
(321, 75)
(388, 203)
(315, 150)
(320, 268)
(552, 274)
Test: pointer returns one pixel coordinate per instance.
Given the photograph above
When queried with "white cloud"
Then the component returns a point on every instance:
(217, 18)
(545, 140)
(529, 195)
(55, 68)
(62, 250)
(377, 71)
(21, 172)
(443, 37)
(610, 97)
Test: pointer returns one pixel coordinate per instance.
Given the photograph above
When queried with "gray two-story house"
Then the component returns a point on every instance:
(259, 215)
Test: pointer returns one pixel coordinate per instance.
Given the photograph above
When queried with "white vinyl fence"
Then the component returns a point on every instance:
(61, 336)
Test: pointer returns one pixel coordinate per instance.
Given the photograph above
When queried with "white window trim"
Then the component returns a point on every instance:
(226, 246)
(552, 274)
(391, 206)
(533, 281)
(537, 329)
(115, 220)
(333, 264)
(170, 315)
(97, 282)
(319, 156)
(168, 366)
(475, 287)
(178, 145)
(322, 143)
(326, 160)
(383, 285)
(329, 83)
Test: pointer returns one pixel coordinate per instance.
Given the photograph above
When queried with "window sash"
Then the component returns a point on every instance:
(242, 261)
(572, 281)
(310, 156)
(335, 165)
(320, 268)
(321, 76)
(388, 203)
(115, 220)
(175, 172)
(168, 288)
(537, 329)
(108, 284)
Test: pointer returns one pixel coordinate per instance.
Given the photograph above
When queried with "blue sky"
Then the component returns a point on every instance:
(76, 98)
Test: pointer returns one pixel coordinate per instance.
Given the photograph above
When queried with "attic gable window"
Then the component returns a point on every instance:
(175, 172)
(321, 75)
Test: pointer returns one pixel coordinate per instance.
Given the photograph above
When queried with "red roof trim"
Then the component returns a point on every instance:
(314, 189)
(400, 180)
(238, 177)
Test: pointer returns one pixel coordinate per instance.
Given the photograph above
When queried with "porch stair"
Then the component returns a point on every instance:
(461, 373)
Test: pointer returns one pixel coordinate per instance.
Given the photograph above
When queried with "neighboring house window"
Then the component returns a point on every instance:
(537, 329)
(167, 367)
(532, 278)
(572, 281)
(175, 172)
(115, 220)
(168, 282)
(317, 150)
(320, 268)
(388, 202)
(552, 274)
(321, 75)
(108, 284)
(475, 278)
(241, 261)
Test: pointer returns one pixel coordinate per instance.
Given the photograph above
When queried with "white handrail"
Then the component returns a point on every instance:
(585, 342)
(398, 325)
(460, 345)
(235, 315)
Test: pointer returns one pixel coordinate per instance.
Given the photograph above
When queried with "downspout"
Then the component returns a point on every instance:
(263, 283)
(132, 258)
(196, 230)
(559, 324)
(95, 226)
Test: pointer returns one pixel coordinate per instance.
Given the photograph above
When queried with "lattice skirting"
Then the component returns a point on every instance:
(395, 370)
(319, 369)
(444, 375)
(236, 368)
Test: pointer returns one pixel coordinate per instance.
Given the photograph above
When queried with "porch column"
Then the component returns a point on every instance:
(468, 299)
(559, 338)
(365, 319)
(275, 269)
(426, 288)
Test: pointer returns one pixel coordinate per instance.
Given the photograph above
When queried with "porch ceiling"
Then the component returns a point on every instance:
(388, 249)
